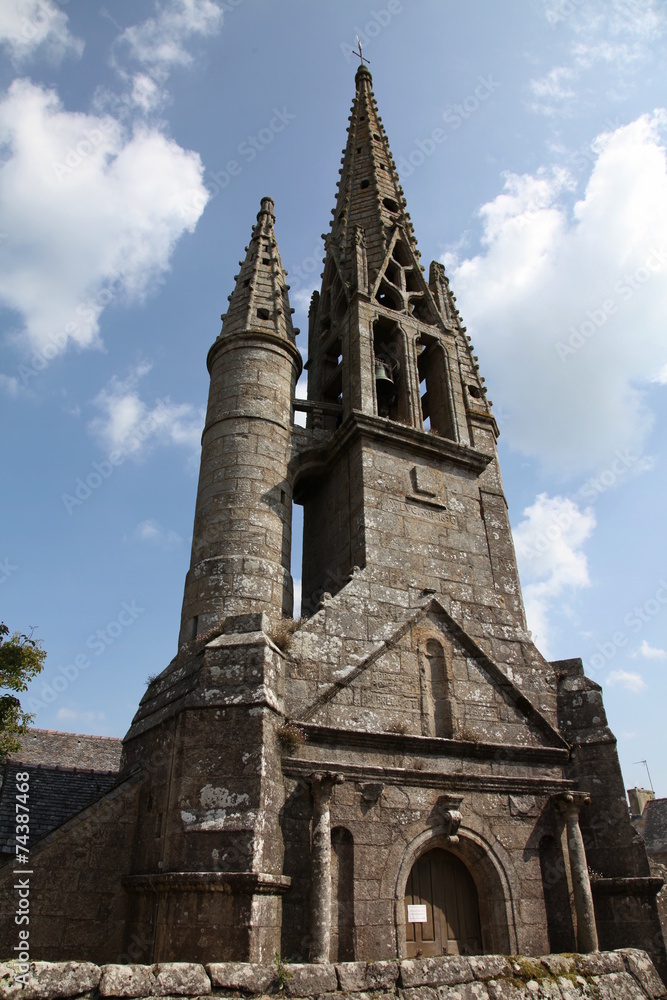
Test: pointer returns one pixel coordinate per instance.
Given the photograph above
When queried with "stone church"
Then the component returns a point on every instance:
(400, 772)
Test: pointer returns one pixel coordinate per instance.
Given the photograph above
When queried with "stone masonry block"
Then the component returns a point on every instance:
(309, 980)
(247, 977)
(618, 986)
(489, 966)
(125, 981)
(355, 977)
(504, 989)
(642, 968)
(558, 965)
(49, 980)
(444, 971)
(180, 979)
(599, 963)
(419, 993)
(464, 991)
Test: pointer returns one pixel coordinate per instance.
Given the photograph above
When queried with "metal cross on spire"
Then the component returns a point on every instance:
(360, 53)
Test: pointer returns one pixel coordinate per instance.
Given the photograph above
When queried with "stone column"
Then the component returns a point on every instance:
(568, 805)
(322, 785)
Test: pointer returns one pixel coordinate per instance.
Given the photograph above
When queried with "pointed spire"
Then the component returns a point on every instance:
(260, 300)
(370, 195)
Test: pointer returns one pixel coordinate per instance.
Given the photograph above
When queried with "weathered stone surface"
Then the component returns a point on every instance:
(618, 986)
(307, 980)
(247, 977)
(444, 971)
(355, 977)
(49, 980)
(464, 991)
(599, 963)
(505, 989)
(125, 981)
(181, 979)
(558, 965)
(489, 966)
(642, 968)
(420, 993)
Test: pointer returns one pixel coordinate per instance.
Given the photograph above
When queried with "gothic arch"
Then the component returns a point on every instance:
(490, 875)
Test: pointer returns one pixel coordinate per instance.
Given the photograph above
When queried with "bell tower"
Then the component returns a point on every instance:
(390, 360)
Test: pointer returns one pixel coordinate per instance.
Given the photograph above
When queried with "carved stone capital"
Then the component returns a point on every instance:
(569, 804)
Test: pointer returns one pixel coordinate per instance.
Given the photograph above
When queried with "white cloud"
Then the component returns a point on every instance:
(548, 544)
(661, 377)
(130, 427)
(151, 532)
(158, 45)
(612, 36)
(568, 303)
(27, 26)
(91, 213)
(553, 90)
(650, 652)
(627, 679)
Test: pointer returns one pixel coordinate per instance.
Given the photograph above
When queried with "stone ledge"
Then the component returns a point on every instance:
(626, 974)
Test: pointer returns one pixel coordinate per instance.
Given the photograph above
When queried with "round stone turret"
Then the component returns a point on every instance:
(241, 542)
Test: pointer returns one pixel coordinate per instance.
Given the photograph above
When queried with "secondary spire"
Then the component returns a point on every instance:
(260, 298)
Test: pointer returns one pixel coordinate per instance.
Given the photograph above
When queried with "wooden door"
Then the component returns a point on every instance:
(444, 886)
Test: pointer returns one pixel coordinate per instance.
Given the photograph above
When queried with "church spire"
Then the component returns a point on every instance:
(370, 195)
(260, 300)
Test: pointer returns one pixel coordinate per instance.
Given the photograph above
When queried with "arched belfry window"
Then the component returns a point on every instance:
(434, 388)
(391, 384)
(441, 706)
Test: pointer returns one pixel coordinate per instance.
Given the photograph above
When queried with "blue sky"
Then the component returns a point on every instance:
(136, 141)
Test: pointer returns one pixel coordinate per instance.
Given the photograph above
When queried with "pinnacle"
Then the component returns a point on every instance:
(260, 298)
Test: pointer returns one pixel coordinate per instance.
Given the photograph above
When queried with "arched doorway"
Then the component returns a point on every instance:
(441, 907)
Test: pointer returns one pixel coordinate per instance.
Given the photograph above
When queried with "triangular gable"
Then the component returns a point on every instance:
(421, 284)
(451, 689)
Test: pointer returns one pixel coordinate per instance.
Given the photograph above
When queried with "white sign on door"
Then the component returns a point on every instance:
(417, 914)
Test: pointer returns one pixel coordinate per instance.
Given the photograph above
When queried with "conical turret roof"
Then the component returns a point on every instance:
(260, 298)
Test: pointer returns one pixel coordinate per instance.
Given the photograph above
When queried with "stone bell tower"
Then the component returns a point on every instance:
(387, 350)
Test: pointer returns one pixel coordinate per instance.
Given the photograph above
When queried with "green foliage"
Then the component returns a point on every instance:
(21, 658)
(282, 973)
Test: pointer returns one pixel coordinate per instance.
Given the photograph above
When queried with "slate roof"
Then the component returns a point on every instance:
(67, 772)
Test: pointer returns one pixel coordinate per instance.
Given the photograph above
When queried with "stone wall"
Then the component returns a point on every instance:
(626, 974)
